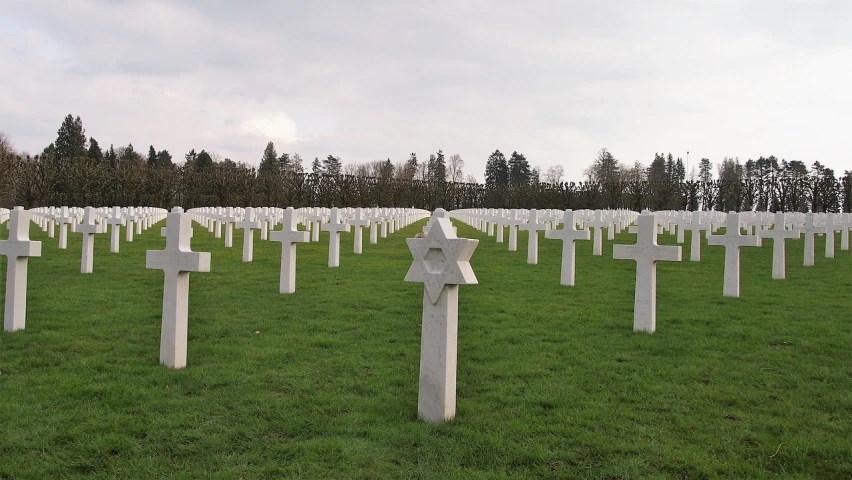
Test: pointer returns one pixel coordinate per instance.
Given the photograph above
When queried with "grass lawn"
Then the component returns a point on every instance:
(552, 382)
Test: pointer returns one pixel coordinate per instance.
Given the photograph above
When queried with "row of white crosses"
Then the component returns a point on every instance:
(136, 219)
(646, 252)
(178, 260)
(675, 222)
(315, 219)
(90, 221)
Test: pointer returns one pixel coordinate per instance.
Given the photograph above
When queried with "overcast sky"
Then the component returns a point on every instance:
(367, 80)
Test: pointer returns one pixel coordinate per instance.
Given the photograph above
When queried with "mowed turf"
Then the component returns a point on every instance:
(552, 382)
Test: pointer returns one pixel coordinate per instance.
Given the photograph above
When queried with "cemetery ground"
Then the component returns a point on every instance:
(552, 382)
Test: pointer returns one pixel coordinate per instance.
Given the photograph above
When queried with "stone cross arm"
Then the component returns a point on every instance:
(289, 236)
(178, 261)
(651, 253)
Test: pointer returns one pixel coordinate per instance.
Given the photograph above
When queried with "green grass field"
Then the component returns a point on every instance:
(552, 382)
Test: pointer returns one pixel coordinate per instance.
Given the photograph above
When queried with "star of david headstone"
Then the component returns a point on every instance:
(441, 259)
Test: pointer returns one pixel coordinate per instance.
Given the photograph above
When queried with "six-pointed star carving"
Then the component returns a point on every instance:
(441, 259)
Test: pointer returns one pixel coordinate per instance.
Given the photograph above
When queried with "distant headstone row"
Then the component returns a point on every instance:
(177, 260)
(589, 224)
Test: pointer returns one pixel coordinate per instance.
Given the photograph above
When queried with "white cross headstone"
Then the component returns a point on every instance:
(17, 249)
(288, 236)
(779, 234)
(533, 226)
(512, 222)
(130, 220)
(831, 226)
(357, 222)
(50, 216)
(176, 262)
(498, 219)
(316, 218)
(264, 218)
(569, 234)
(598, 224)
(65, 219)
(88, 228)
(374, 226)
(732, 240)
(229, 219)
(441, 263)
(334, 227)
(115, 222)
(695, 227)
(218, 218)
(248, 226)
(646, 253)
(809, 229)
(140, 220)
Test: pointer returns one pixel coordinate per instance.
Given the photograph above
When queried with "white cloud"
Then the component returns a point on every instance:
(276, 126)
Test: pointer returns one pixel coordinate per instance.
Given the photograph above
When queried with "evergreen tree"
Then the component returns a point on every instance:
(386, 171)
(269, 161)
(795, 169)
(705, 170)
(111, 156)
(203, 161)
(95, 152)
(731, 170)
(283, 162)
(164, 158)
(49, 153)
(657, 169)
(409, 170)
(70, 139)
(439, 168)
(152, 155)
(332, 165)
(535, 175)
(316, 166)
(519, 169)
(295, 164)
(130, 155)
(670, 168)
(679, 171)
(190, 158)
(496, 169)
(430, 167)
(604, 168)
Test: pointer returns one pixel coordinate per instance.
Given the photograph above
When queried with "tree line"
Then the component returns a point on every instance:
(74, 171)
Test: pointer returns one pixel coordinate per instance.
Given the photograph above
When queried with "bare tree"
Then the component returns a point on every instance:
(350, 168)
(636, 173)
(455, 168)
(364, 170)
(6, 147)
(399, 171)
(375, 168)
(422, 172)
(554, 174)
(469, 178)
